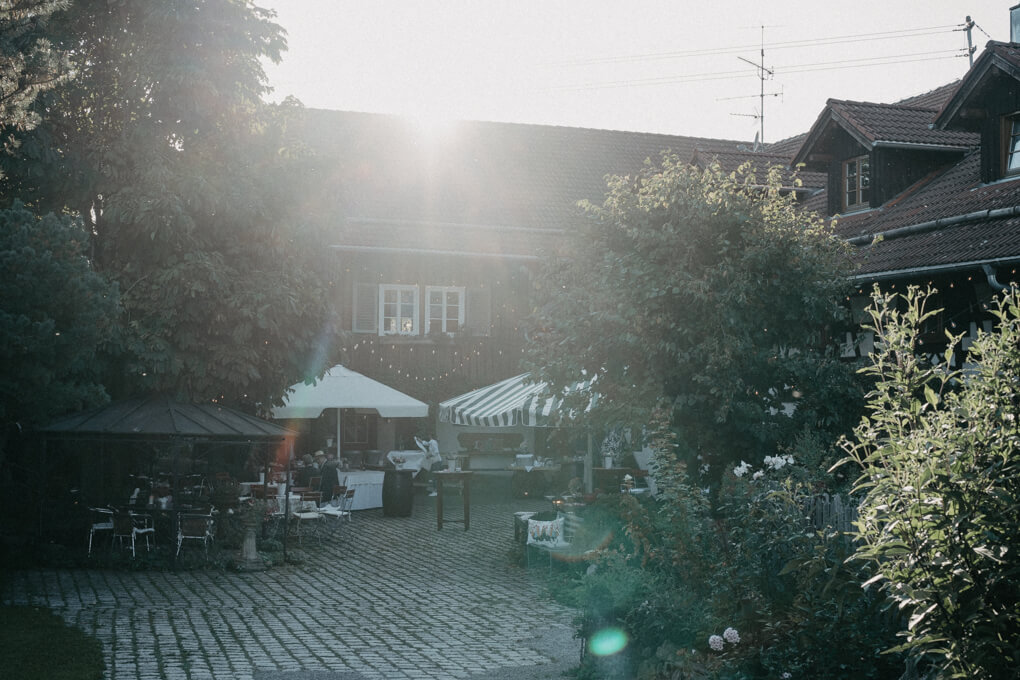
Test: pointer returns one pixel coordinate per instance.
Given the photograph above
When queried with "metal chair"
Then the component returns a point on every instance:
(130, 525)
(194, 527)
(307, 523)
(101, 520)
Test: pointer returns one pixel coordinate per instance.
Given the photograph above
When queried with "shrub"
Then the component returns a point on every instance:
(938, 455)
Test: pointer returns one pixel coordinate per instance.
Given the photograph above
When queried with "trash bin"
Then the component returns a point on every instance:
(398, 493)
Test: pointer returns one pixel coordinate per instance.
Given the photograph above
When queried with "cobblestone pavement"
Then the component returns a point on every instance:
(391, 597)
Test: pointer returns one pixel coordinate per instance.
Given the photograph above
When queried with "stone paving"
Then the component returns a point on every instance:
(389, 598)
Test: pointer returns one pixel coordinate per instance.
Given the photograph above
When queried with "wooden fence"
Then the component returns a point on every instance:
(837, 511)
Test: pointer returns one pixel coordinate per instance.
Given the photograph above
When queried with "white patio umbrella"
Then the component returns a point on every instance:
(342, 388)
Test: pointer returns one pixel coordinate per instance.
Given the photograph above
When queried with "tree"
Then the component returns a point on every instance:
(188, 186)
(712, 294)
(940, 473)
(29, 64)
(55, 313)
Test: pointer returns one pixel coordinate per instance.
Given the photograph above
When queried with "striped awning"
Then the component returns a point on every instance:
(514, 401)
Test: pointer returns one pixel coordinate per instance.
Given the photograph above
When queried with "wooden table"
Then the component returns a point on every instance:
(448, 476)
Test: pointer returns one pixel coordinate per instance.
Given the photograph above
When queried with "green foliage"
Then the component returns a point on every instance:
(36, 644)
(939, 466)
(707, 292)
(55, 314)
(678, 571)
(29, 65)
(187, 183)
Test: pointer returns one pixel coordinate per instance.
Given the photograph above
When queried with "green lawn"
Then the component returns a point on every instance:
(36, 644)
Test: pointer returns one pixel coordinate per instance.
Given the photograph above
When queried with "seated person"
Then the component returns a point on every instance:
(306, 471)
(330, 473)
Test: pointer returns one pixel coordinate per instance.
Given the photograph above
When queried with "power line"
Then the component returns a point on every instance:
(792, 44)
(796, 68)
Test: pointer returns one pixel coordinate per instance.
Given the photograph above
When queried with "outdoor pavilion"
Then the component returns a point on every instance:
(160, 424)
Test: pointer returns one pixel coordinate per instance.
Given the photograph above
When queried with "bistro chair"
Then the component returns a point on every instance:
(195, 527)
(101, 520)
(348, 502)
(307, 523)
(129, 525)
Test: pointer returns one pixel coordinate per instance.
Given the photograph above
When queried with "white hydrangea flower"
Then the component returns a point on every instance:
(715, 642)
(741, 469)
(777, 462)
(731, 636)
(786, 675)
(758, 475)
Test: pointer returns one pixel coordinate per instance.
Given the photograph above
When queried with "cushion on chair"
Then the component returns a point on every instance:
(546, 533)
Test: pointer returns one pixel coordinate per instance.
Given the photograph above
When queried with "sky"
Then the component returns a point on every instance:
(674, 67)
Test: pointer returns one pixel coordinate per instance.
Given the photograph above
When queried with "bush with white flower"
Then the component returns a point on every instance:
(778, 462)
(718, 643)
(742, 469)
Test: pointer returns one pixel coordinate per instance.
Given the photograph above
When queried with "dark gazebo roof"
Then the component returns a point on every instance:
(160, 417)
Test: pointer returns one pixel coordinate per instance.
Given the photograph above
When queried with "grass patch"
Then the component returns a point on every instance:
(36, 644)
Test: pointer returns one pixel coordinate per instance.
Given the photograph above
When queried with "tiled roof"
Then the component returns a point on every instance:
(787, 147)
(761, 162)
(898, 124)
(475, 187)
(911, 239)
(932, 99)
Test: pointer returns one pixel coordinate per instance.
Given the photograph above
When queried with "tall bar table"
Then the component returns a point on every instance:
(450, 476)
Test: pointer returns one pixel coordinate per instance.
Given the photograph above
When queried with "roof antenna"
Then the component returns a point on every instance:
(763, 73)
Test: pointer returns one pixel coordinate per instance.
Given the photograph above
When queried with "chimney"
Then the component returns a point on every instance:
(1014, 24)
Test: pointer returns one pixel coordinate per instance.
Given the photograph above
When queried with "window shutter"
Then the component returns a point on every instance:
(478, 310)
(366, 307)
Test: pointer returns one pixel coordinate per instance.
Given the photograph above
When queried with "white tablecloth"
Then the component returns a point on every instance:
(415, 461)
(368, 485)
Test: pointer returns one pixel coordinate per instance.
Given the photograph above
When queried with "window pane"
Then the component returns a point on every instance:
(1013, 160)
(435, 297)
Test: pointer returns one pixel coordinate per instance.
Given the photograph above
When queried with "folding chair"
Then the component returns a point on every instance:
(195, 527)
(348, 503)
(101, 520)
(307, 522)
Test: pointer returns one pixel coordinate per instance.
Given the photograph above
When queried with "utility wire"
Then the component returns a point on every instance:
(809, 42)
(799, 68)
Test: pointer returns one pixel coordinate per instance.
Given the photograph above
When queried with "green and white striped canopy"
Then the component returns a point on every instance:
(511, 402)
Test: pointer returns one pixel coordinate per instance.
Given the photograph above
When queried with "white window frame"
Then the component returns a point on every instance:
(414, 317)
(1011, 139)
(443, 291)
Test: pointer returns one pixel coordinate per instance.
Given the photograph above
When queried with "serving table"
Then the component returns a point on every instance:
(368, 485)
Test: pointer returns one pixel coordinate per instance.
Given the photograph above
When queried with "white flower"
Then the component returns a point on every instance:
(731, 636)
(758, 475)
(786, 676)
(776, 462)
(741, 469)
(715, 642)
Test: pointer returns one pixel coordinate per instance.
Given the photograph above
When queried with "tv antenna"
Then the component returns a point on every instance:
(763, 75)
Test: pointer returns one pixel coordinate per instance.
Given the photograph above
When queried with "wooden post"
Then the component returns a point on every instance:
(588, 481)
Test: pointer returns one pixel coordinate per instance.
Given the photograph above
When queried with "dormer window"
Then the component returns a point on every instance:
(1011, 128)
(856, 183)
